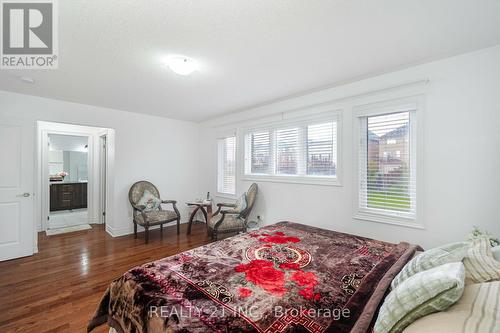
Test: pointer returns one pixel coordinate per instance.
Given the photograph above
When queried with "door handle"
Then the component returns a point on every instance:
(24, 195)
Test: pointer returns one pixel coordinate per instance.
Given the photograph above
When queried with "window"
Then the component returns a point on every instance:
(300, 151)
(322, 149)
(260, 152)
(287, 151)
(387, 164)
(226, 178)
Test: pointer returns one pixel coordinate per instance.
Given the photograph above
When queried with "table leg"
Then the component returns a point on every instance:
(204, 214)
(207, 213)
(190, 223)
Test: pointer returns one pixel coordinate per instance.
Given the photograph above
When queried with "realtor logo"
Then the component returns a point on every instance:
(29, 34)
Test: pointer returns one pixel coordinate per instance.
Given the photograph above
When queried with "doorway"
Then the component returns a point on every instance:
(73, 177)
(68, 183)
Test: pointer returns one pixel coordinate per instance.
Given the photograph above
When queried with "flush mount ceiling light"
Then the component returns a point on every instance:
(182, 65)
(27, 79)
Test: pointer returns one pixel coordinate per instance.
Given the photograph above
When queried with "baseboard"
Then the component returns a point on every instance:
(129, 229)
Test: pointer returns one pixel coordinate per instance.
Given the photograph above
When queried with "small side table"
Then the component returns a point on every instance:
(206, 209)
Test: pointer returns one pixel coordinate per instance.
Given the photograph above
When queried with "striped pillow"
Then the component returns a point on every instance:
(475, 312)
(480, 265)
(438, 256)
(496, 252)
(423, 293)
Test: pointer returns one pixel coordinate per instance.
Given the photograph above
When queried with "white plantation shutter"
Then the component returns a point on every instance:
(321, 149)
(287, 151)
(260, 152)
(226, 182)
(387, 175)
(301, 149)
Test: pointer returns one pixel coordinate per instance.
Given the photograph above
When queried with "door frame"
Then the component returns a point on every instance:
(103, 176)
(41, 180)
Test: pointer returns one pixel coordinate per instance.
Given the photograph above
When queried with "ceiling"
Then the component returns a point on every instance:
(250, 51)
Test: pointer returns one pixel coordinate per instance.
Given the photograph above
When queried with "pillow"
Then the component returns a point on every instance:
(496, 252)
(438, 256)
(241, 203)
(421, 294)
(480, 265)
(474, 312)
(149, 200)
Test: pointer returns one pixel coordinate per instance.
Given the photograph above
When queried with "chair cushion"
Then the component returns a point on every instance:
(157, 216)
(232, 221)
(150, 201)
(241, 203)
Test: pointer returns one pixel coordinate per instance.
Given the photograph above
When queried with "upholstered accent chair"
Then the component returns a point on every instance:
(148, 219)
(231, 220)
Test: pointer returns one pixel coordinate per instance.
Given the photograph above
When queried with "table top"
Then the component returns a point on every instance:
(198, 203)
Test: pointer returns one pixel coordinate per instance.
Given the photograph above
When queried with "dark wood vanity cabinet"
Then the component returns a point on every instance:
(64, 196)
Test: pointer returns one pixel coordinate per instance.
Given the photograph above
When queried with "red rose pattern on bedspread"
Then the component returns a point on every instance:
(251, 283)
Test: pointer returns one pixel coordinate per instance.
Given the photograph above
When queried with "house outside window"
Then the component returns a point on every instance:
(387, 164)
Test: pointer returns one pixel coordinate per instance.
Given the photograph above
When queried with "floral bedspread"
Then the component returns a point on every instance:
(285, 277)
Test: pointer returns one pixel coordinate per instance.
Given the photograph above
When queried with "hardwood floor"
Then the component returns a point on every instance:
(57, 290)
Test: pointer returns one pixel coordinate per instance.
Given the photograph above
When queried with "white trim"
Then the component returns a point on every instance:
(415, 104)
(309, 180)
(387, 219)
(226, 196)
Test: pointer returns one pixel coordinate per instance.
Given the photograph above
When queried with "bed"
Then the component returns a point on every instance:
(286, 277)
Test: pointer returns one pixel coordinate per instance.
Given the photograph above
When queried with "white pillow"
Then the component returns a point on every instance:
(423, 293)
(480, 264)
(496, 252)
(453, 252)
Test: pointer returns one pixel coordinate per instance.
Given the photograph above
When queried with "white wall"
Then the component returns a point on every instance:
(461, 153)
(161, 150)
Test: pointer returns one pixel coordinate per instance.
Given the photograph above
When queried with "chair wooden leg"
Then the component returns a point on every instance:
(178, 226)
(161, 230)
(146, 233)
(135, 230)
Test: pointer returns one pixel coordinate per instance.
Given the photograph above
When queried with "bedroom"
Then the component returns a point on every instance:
(374, 119)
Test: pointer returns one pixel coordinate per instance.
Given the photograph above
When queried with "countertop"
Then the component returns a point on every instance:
(66, 182)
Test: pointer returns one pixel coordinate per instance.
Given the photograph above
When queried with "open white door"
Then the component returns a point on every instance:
(16, 189)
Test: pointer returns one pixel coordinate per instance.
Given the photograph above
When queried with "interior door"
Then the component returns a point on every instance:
(16, 189)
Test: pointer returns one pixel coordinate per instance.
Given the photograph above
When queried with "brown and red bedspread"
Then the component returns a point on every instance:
(286, 277)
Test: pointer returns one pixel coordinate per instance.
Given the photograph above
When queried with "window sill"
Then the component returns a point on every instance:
(226, 196)
(322, 181)
(387, 219)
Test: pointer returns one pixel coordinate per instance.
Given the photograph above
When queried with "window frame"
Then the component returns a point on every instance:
(219, 171)
(414, 105)
(284, 124)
